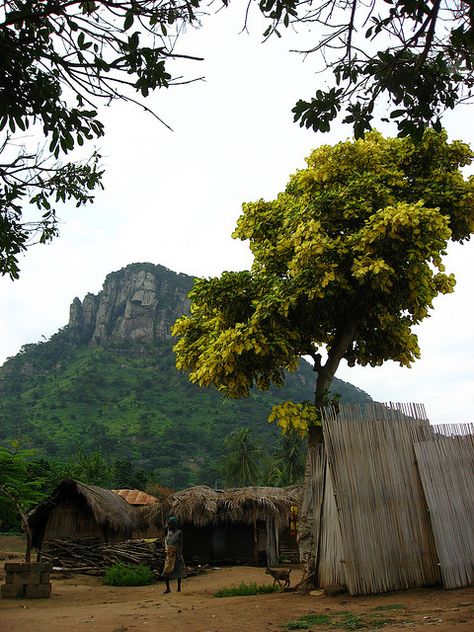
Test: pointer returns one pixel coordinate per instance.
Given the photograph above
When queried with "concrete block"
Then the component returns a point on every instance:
(39, 591)
(13, 566)
(10, 591)
(42, 567)
(25, 577)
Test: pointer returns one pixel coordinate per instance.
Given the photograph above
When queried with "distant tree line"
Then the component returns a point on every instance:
(244, 462)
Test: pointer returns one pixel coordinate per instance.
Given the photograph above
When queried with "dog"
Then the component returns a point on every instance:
(279, 576)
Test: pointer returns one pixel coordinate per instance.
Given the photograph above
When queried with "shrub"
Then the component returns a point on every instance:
(128, 575)
(246, 589)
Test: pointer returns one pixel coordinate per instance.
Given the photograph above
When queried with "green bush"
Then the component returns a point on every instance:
(128, 575)
(247, 589)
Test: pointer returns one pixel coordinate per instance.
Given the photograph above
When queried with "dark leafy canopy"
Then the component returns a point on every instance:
(20, 489)
(347, 258)
(417, 54)
(58, 60)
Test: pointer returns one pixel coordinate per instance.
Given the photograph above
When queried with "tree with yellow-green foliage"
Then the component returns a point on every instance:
(346, 260)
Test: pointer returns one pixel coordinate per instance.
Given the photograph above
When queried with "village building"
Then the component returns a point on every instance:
(75, 511)
(253, 525)
(241, 525)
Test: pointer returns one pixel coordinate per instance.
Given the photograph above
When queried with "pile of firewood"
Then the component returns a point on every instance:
(89, 555)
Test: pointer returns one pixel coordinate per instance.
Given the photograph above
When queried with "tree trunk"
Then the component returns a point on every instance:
(310, 521)
(311, 508)
(310, 515)
(29, 538)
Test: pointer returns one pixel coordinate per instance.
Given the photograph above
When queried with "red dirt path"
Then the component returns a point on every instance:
(83, 604)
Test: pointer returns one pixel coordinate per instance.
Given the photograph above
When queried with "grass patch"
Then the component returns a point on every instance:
(128, 575)
(343, 620)
(244, 590)
(300, 624)
(389, 606)
(349, 621)
(307, 621)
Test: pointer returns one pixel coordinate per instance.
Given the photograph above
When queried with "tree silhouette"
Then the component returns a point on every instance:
(239, 466)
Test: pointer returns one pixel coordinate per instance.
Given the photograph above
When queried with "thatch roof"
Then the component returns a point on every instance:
(201, 505)
(109, 510)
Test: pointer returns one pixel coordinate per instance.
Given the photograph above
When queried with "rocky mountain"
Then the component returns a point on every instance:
(137, 303)
(107, 381)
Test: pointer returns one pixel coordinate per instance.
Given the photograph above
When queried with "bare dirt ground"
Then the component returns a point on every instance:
(83, 604)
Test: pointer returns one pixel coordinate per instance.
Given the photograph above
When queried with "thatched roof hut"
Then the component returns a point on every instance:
(75, 510)
(244, 524)
(247, 524)
(201, 505)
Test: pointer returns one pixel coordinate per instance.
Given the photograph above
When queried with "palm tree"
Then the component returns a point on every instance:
(291, 456)
(239, 466)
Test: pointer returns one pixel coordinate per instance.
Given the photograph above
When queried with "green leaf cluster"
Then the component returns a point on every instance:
(59, 61)
(348, 258)
(20, 486)
(412, 57)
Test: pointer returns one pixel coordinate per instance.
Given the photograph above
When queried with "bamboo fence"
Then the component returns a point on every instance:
(331, 566)
(384, 524)
(446, 466)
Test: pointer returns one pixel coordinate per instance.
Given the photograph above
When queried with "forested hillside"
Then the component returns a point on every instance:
(122, 395)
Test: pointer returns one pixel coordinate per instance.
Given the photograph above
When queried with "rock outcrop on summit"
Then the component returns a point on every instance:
(138, 303)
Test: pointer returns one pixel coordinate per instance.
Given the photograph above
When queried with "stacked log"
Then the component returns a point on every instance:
(90, 556)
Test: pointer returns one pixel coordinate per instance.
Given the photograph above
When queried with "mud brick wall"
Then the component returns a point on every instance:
(30, 580)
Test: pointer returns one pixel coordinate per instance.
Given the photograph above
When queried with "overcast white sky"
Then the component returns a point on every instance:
(173, 198)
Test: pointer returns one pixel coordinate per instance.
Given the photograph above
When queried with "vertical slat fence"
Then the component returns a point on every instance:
(386, 533)
(331, 552)
(446, 466)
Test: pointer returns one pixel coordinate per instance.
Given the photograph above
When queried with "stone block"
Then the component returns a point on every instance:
(42, 567)
(25, 577)
(12, 566)
(39, 591)
(45, 578)
(10, 591)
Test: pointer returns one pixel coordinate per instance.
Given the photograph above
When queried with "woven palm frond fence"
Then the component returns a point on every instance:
(446, 466)
(375, 523)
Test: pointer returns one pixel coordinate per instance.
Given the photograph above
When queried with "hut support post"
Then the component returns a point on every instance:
(255, 536)
(272, 542)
